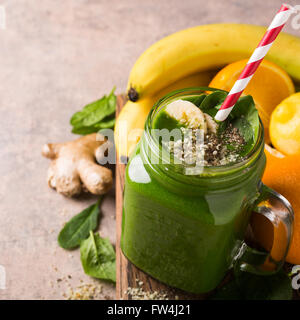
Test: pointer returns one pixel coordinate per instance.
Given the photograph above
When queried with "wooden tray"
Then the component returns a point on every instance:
(127, 273)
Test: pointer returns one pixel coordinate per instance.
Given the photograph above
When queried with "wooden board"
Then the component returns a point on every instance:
(127, 273)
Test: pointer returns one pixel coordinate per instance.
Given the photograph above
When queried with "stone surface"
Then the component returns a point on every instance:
(55, 57)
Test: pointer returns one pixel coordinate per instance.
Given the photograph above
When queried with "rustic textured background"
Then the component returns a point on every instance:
(55, 57)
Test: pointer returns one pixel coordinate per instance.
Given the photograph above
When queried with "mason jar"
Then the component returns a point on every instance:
(188, 230)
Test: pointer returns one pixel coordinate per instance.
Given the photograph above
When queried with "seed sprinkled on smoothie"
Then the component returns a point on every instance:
(213, 149)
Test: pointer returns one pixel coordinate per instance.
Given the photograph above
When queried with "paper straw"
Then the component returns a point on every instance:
(258, 55)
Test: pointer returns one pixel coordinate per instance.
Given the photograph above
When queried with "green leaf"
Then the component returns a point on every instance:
(247, 286)
(96, 115)
(213, 100)
(247, 131)
(104, 109)
(98, 257)
(245, 107)
(244, 117)
(273, 287)
(107, 123)
(78, 117)
(78, 228)
(84, 130)
(196, 100)
(244, 127)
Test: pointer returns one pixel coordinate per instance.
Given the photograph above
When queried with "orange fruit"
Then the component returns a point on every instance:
(268, 87)
(285, 125)
(283, 175)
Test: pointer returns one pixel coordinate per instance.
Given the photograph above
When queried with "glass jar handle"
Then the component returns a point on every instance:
(280, 213)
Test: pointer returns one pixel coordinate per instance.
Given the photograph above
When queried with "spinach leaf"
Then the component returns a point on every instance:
(96, 115)
(274, 287)
(213, 100)
(98, 257)
(244, 117)
(78, 117)
(247, 286)
(107, 123)
(84, 130)
(196, 100)
(78, 228)
(245, 107)
(244, 127)
(246, 131)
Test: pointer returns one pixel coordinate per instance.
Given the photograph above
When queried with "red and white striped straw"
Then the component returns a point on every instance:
(258, 55)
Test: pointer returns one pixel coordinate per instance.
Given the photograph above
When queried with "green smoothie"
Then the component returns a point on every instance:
(186, 229)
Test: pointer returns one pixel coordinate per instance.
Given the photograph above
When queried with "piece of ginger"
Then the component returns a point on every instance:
(74, 169)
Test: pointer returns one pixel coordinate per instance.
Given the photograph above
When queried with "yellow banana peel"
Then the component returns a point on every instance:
(205, 48)
(130, 125)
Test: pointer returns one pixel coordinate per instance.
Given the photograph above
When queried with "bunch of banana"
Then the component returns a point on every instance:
(186, 59)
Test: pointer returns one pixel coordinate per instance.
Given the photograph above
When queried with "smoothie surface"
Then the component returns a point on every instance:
(195, 137)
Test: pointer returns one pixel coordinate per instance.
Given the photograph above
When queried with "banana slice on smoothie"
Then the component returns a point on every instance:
(181, 113)
(187, 114)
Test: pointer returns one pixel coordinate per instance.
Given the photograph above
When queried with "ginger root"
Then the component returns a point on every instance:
(74, 169)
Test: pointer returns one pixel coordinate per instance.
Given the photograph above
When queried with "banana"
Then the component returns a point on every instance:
(130, 125)
(130, 122)
(204, 48)
(187, 114)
